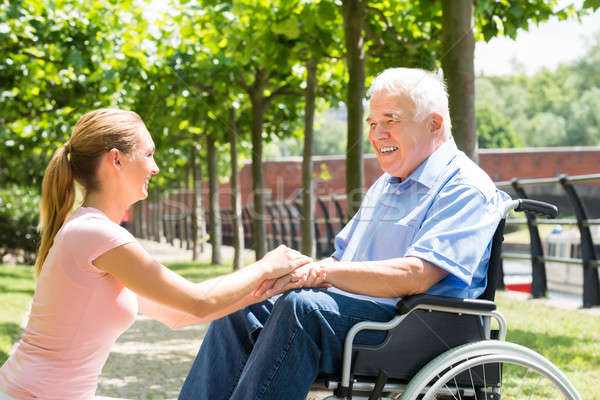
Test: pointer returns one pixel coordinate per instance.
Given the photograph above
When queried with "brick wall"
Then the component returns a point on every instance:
(283, 177)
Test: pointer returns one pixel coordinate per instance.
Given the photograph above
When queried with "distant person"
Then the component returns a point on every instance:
(92, 275)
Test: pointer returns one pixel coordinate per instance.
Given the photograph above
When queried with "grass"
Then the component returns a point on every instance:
(17, 284)
(568, 338)
(522, 234)
(16, 290)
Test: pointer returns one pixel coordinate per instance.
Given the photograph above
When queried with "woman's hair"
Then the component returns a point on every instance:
(426, 89)
(94, 134)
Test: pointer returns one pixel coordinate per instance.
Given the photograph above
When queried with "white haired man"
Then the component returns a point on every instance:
(425, 225)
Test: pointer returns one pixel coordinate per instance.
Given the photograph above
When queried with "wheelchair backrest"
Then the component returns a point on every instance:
(495, 264)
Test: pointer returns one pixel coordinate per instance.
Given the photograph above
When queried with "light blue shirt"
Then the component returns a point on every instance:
(445, 212)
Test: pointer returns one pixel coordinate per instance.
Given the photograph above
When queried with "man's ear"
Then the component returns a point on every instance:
(436, 122)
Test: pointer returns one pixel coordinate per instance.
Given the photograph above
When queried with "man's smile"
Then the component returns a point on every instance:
(387, 149)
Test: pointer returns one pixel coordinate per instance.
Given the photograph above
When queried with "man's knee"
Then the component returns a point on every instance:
(302, 302)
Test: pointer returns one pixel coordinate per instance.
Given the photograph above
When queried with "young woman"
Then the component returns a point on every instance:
(92, 275)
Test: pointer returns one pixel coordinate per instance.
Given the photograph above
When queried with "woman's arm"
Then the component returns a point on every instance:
(176, 319)
(207, 300)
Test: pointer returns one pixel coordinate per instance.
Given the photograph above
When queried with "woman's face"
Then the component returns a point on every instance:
(138, 167)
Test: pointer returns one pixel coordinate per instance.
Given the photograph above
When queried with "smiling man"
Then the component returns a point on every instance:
(425, 225)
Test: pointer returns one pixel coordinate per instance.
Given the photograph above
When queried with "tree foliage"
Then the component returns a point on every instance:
(549, 108)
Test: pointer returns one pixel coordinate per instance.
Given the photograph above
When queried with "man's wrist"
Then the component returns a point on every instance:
(328, 267)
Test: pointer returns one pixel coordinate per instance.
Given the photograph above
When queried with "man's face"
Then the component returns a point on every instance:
(400, 143)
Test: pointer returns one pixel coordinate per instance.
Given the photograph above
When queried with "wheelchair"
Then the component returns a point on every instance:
(445, 348)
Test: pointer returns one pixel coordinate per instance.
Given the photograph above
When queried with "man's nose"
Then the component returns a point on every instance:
(380, 132)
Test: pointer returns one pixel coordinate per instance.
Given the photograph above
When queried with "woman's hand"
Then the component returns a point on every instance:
(281, 261)
(309, 275)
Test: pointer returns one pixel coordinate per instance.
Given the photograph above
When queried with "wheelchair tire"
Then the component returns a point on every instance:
(513, 372)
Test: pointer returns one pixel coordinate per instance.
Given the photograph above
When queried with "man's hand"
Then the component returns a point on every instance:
(309, 275)
(281, 261)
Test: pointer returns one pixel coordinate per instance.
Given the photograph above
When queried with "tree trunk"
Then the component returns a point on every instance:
(137, 212)
(308, 211)
(458, 47)
(214, 209)
(259, 234)
(354, 13)
(236, 196)
(186, 224)
(170, 215)
(197, 212)
(157, 213)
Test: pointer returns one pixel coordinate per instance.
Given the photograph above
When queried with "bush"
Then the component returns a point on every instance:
(19, 217)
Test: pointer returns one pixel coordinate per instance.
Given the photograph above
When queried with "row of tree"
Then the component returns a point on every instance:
(203, 73)
(550, 108)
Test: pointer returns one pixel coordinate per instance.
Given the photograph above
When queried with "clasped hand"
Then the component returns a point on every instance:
(300, 271)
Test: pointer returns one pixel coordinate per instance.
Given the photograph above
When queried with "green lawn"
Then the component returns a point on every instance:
(522, 234)
(570, 339)
(16, 290)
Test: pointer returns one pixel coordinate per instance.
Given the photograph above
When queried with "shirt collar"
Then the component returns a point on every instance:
(432, 167)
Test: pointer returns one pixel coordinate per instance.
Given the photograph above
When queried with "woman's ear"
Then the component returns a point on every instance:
(114, 157)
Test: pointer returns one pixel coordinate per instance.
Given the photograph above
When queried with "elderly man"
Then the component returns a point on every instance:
(424, 226)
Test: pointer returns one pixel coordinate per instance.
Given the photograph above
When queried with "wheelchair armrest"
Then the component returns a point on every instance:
(410, 302)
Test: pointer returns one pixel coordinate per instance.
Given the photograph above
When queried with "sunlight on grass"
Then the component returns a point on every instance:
(568, 338)
(16, 290)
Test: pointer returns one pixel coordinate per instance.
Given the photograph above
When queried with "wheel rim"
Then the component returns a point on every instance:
(521, 379)
(429, 374)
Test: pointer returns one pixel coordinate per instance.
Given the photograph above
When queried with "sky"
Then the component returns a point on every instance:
(545, 45)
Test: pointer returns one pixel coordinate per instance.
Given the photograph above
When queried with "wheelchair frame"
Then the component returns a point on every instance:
(438, 371)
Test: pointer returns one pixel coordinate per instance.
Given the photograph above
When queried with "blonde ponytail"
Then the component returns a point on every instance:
(58, 196)
(76, 161)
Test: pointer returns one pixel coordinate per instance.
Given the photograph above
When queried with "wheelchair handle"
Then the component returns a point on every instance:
(536, 207)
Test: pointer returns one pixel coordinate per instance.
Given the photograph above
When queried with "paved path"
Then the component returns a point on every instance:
(151, 361)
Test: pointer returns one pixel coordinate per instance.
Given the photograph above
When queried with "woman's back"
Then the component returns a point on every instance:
(77, 313)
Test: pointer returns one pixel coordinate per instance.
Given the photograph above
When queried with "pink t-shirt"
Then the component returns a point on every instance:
(77, 313)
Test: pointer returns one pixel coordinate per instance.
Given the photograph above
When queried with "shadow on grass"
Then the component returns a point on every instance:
(6, 289)
(13, 332)
(6, 273)
(559, 349)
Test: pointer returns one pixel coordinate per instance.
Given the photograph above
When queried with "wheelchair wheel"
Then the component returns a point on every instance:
(490, 370)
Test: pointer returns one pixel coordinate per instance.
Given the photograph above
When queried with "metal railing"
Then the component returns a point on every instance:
(588, 260)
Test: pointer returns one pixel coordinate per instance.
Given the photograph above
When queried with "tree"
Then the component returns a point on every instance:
(458, 48)
(545, 129)
(214, 209)
(58, 63)
(583, 127)
(494, 129)
(236, 200)
(354, 12)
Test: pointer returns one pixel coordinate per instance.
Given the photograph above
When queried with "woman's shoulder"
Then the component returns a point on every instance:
(89, 223)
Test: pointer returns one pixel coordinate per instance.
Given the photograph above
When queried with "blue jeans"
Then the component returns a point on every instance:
(275, 349)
